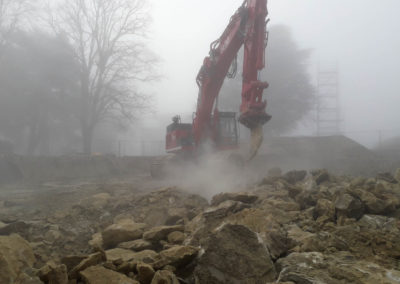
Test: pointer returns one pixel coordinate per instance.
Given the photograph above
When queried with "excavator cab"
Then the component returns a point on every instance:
(227, 135)
(179, 136)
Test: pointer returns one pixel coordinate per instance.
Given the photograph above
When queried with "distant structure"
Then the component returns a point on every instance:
(328, 115)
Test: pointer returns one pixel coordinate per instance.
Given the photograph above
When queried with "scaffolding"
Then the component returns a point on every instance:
(328, 117)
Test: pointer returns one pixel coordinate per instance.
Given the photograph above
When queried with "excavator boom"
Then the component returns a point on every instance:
(247, 29)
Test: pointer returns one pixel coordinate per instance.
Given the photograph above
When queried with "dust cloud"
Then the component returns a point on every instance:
(88, 193)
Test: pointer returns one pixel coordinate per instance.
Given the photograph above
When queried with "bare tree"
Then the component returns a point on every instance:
(108, 42)
(12, 14)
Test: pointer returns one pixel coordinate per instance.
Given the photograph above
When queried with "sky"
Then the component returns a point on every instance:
(362, 36)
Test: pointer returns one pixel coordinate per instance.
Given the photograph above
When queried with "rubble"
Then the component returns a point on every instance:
(101, 275)
(53, 273)
(16, 258)
(397, 175)
(297, 227)
(157, 234)
(244, 197)
(341, 267)
(137, 245)
(348, 206)
(146, 256)
(176, 256)
(176, 237)
(234, 254)
(93, 259)
(145, 273)
(164, 277)
(125, 230)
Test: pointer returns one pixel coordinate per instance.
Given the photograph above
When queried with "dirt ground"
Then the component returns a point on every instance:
(204, 225)
(298, 227)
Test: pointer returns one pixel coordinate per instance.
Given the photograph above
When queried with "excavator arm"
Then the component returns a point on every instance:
(247, 27)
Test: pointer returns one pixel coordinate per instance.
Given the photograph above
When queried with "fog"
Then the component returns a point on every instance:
(136, 147)
(361, 37)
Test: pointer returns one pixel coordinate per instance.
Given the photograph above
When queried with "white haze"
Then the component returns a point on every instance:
(362, 36)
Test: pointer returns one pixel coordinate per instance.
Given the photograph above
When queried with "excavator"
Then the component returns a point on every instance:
(214, 129)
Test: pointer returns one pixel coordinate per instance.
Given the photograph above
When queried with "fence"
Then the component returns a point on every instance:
(122, 148)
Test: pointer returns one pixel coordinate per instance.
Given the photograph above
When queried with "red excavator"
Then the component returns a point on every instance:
(218, 129)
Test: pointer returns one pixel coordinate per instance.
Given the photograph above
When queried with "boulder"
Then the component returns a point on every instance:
(234, 254)
(71, 261)
(375, 205)
(177, 256)
(101, 275)
(388, 177)
(157, 234)
(96, 241)
(266, 224)
(341, 267)
(164, 277)
(176, 237)
(297, 235)
(163, 207)
(16, 256)
(52, 273)
(364, 240)
(244, 197)
(277, 242)
(136, 245)
(309, 183)
(283, 205)
(379, 206)
(124, 267)
(91, 260)
(307, 198)
(377, 222)
(324, 208)
(320, 176)
(297, 267)
(257, 220)
(125, 230)
(348, 206)
(124, 255)
(145, 273)
(397, 175)
(97, 201)
(224, 209)
(322, 242)
(357, 182)
(295, 176)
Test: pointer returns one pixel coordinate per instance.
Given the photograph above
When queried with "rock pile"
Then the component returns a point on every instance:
(298, 227)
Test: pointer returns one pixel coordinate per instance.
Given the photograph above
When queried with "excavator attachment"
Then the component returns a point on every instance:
(256, 140)
(254, 120)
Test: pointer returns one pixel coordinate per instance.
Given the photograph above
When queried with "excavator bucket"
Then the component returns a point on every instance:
(256, 140)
